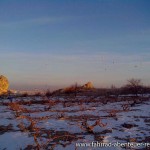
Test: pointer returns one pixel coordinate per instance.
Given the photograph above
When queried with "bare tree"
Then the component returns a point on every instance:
(134, 86)
(114, 90)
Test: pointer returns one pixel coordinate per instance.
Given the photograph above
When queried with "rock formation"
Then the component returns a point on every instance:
(88, 85)
(3, 85)
(74, 88)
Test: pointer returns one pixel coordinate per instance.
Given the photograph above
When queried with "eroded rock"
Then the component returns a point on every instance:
(4, 84)
(88, 85)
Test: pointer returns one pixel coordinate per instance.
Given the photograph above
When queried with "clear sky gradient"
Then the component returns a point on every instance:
(55, 43)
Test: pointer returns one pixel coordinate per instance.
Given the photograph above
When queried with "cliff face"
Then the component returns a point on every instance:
(3, 84)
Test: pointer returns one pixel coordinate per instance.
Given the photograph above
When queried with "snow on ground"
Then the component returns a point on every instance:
(61, 119)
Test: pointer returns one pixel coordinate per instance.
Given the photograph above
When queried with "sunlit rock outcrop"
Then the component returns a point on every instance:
(4, 84)
(88, 85)
(77, 88)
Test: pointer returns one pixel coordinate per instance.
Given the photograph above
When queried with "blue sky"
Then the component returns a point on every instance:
(55, 43)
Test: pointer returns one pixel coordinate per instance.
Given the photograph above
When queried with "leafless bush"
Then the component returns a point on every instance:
(126, 107)
(48, 93)
(38, 94)
(134, 86)
(24, 94)
(90, 128)
(113, 113)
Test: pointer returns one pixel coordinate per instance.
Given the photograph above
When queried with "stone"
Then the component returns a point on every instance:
(75, 88)
(88, 85)
(4, 84)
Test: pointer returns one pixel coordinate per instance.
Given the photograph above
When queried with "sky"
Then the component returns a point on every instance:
(54, 43)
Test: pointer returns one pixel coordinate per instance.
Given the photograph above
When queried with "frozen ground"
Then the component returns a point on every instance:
(58, 123)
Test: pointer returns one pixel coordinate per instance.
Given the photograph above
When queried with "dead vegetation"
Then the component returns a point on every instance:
(86, 115)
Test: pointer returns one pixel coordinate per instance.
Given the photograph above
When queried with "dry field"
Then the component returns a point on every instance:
(68, 122)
